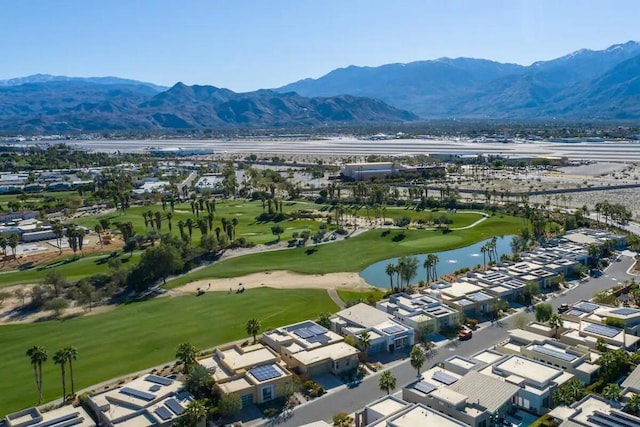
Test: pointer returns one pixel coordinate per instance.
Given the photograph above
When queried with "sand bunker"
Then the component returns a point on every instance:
(280, 280)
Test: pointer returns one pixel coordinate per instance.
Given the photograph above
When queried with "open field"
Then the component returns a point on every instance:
(71, 269)
(354, 254)
(245, 212)
(141, 335)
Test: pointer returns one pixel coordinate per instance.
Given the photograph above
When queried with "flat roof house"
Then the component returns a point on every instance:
(149, 400)
(59, 417)
(385, 333)
(255, 372)
(631, 384)
(593, 411)
(309, 349)
(421, 312)
(535, 381)
(474, 399)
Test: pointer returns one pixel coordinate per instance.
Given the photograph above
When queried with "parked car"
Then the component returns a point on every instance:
(563, 308)
(465, 334)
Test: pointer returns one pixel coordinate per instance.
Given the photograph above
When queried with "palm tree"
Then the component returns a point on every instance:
(38, 356)
(181, 227)
(13, 241)
(633, 404)
(3, 245)
(195, 412)
(390, 269)
(169, 217)
(253, 327)
(555, 322)
(186, 354)
(72, 354)
(417, 358)
(434, 266)
(58, 230)
(98, 230)
(612, 392)
(60, 358)
(364, 339)
(427, 268)
(387, 382)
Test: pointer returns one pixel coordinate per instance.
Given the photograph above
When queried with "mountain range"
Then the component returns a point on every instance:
(584, 85)
(45, 103)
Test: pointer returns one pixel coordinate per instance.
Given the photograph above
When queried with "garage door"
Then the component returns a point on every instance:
(247, 400)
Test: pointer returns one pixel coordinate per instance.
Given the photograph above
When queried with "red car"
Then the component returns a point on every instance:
(465, 335)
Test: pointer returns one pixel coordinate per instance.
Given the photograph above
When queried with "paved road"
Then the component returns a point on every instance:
(350, 400)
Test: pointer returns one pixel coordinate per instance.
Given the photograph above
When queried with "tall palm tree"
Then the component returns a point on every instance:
(434, 266)
(253, 327)
(390, 269)
(417, 358)
(72, 354)
(556, 322)
(38, 356)
(364, 339)
(387, 382)
(169, 217)
(60, 358)
(186, 354)
(98, 230)
(3, 245)
(58, 231)
(427, 268)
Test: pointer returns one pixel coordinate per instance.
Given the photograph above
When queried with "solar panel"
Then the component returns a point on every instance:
(575, 312)
(444, 378)
(158, 380)
(554, 353)
(174, 405)
(625, 311)
(66, 420)
(163, 413)
(607, 331)
(479, 296)
(316, 329)
(303, 333)
(137, 394)
(264, 373)
(425, 387)
(393, 329)
(587, 306)
(154, 388)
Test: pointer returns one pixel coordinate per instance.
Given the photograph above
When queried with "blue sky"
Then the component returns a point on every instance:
(246, 45)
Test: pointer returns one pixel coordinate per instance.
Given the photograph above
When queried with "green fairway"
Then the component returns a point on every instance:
(140, 335)
(356, 253)
(72, 270)
(350, 295)
(460, 218)
(245, 212)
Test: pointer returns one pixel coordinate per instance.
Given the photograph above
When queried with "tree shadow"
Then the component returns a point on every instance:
(399, 237)
(311, 251)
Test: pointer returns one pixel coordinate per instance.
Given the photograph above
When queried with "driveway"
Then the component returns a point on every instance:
(351, 400)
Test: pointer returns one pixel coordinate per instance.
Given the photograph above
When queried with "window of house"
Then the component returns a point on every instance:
(267, 393)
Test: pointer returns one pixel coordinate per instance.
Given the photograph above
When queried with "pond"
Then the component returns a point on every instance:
(450, 261)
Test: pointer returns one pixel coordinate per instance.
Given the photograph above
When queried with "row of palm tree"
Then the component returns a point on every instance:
(405, 270)
(38, 356)
(491, 249)
(11, 241)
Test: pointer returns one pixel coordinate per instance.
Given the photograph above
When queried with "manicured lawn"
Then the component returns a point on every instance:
(140, 335)
(356, 253)
(245, 212)
(349, 295)
(37, 197)
(460, 218)
(72, 270)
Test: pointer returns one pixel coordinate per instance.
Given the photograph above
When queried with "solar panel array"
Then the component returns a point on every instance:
(64, 421)
(425, 387)
(444, 378)
(174, 405)
(163, 413)
(393, 329)
(575, 312)
(587, 306)
(554, 353)
(137, 394)
(158, 380)
(154, 388)
(625, 311)
(310, 331)
(264, 373)
(607, 331)
(479, 296)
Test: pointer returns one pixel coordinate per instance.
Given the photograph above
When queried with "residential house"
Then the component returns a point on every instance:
(421, 312)
(593, 411)
(59, 417)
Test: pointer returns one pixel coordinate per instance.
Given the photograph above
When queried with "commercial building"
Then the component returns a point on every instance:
(255, 373)
(60, 417)
(149, 400)
(385, 333)
(308, 349)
